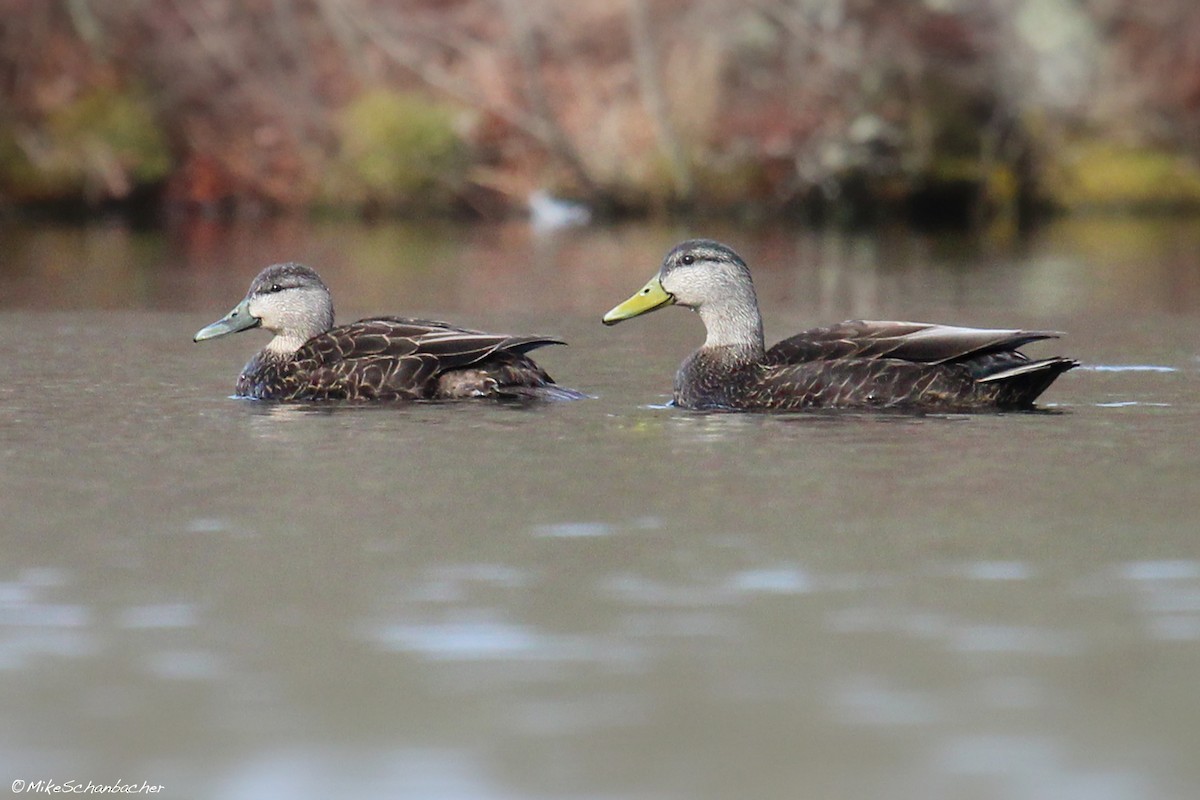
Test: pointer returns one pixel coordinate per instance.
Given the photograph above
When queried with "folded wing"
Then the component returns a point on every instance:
(918, 342)
(395, 357)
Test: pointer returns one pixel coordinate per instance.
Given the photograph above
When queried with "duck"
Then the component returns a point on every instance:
(380, 358)
(856, 364)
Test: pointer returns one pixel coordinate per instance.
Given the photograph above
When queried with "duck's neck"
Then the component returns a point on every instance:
(285, 344)
(301, 325)
(295, 319)
(734, 322)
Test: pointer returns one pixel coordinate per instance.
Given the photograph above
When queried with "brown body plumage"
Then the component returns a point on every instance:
(855, 364)
(383, 358)
(871, 364)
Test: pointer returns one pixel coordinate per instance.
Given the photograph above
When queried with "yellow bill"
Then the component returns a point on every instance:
(651, 296)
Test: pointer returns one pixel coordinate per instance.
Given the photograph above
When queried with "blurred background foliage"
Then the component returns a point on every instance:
(957, 111)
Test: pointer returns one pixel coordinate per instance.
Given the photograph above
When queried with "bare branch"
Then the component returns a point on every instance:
(654, 98)
(540, 126)
(550, 131)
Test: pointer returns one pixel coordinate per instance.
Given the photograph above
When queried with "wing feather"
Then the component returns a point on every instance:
(917, 342)
(394, 356)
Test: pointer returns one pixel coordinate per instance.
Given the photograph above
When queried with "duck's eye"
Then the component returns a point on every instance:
(688, 260)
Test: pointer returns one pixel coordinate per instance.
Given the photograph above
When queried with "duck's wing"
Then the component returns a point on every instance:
(918, 342)
(405, 326)
(391, 356)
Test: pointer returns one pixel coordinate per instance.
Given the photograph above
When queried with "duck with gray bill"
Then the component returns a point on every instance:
(382, 358)
(853, 364)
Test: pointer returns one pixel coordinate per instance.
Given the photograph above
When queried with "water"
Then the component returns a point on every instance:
(608, 598)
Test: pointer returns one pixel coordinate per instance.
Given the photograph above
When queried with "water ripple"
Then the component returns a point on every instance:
(46, 615)
(997, 571)
(1175, 628)
(868, 700)
(185, 665)
(573, 530)
(1016, 639)
(1131, 404)
(473, 641)
(208, 525)
(1127, 368)
(1166, 570)
(494, 640)
(591, 529)
(772, 580)
(165, 615)
(1035, 766)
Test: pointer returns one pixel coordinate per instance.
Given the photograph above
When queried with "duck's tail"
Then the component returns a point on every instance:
(1019, 386)
(550, 392)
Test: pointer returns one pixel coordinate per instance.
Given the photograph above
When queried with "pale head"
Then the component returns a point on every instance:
(711, 279)
(290, 300)
(700, 272)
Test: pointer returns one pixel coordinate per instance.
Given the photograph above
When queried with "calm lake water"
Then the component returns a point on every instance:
(608, 598)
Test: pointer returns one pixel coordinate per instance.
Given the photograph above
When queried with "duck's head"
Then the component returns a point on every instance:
(290, 300)
(707, 277)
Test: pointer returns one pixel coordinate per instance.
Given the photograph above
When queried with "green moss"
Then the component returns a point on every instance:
(18, 176)
(998, 182)
(397, 149)
(121, 122)
(1097, 175)
(101, 145)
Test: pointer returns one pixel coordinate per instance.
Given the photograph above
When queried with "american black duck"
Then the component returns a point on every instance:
(854, 364)
(382, 358)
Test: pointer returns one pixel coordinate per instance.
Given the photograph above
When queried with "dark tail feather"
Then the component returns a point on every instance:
(523, 344)
(546, 392)
(1019, 386)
